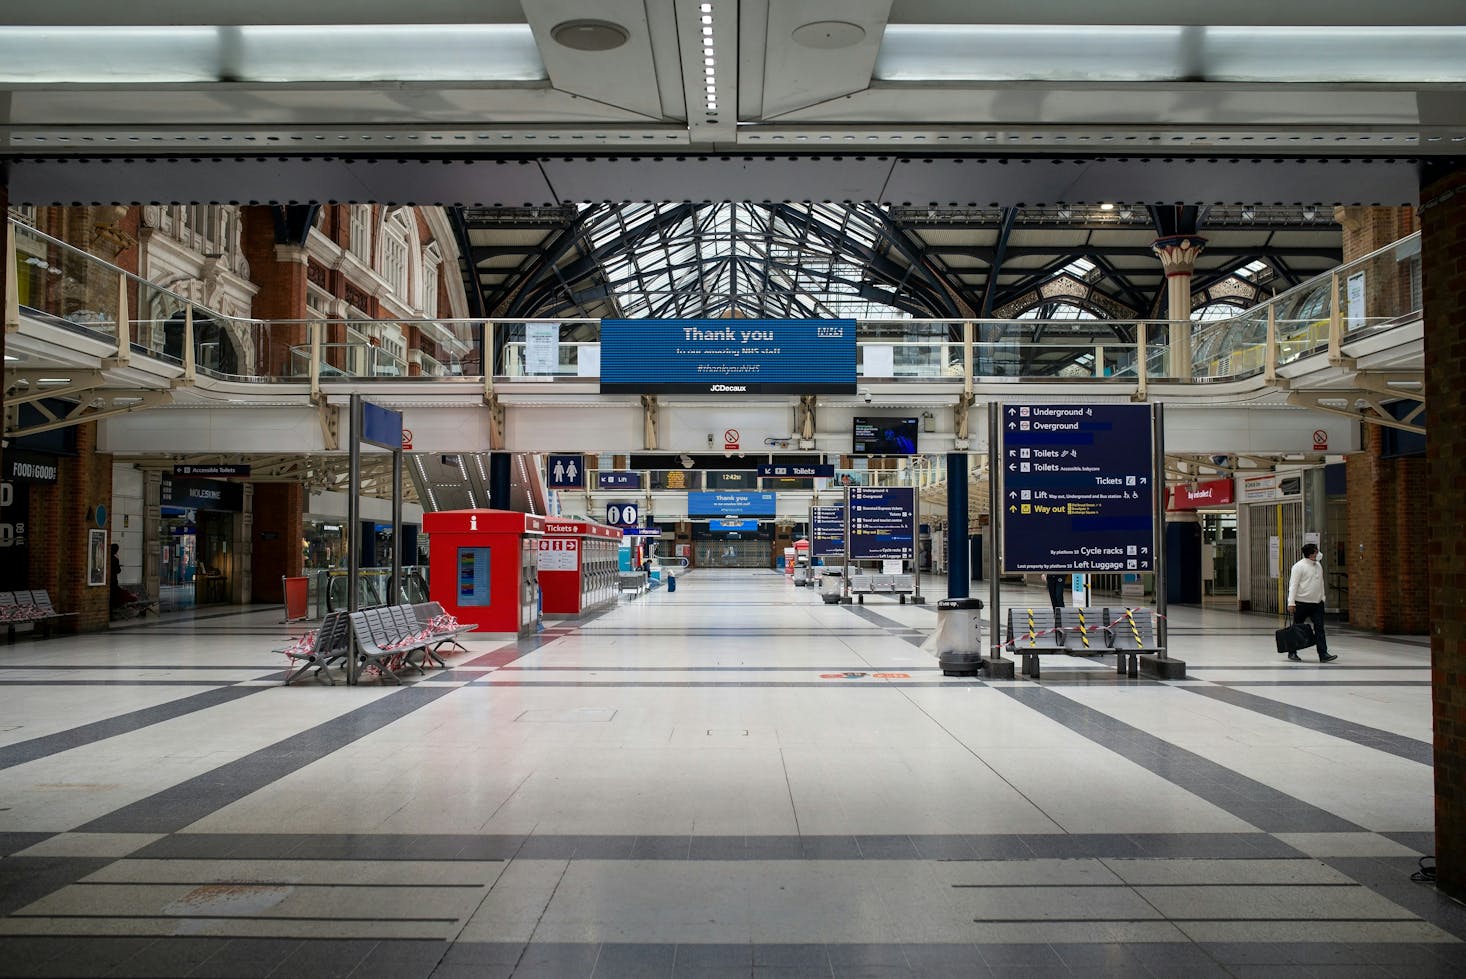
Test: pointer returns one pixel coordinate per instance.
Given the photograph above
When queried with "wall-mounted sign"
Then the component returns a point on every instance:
(1077, 488)
(733, 526)
(541, 348)
(618, 480)
(728, 357)
(1215, 492)
(30, 467)
(1272, 486)
(565, 472)
(804, 471)
(622, 514)
(730, 505)
(203, 494)
(220, 471)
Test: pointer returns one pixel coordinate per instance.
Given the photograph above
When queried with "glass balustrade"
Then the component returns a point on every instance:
(59, 283)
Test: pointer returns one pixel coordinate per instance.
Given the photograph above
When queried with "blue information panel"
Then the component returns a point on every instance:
(882, 521)
(618, 480)
(381, 426)
(727, 505)
(565, 472)
(728, 356)
(796, 471)
(826, 530)
(1077, 486)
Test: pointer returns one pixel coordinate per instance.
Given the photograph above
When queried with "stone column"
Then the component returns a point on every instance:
(1178, 255)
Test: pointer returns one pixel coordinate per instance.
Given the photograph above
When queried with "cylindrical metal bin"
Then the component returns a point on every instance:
(832, 582)
(959, 636)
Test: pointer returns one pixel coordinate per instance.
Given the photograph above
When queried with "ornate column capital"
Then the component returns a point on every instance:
(1178, 253)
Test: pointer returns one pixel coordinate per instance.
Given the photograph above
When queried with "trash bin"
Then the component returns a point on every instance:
(958, 639)
(832, 583)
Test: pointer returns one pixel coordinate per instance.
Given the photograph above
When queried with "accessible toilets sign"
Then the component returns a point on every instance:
(1077, 488)
(728, 357)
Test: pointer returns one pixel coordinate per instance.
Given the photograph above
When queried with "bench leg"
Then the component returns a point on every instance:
(1134, 666)
(1119, 662)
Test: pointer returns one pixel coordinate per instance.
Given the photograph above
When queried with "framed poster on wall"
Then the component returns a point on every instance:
(96, 557)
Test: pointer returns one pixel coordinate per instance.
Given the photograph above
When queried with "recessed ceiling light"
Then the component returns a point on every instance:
(707, 32)
(710, 62)
(590, 35)
(1107, 206)
(828, 35)
(707, 18)
(706, 8)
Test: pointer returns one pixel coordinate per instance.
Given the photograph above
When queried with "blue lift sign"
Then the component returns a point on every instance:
(1077, 488)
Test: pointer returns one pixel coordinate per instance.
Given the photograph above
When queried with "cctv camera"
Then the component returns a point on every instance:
(866, 395)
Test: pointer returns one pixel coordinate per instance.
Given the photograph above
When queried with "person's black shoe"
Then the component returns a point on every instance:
(1327, 657)
(1295, 656)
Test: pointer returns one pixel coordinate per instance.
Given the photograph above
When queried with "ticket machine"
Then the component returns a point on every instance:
(578, 566)
(483, 567)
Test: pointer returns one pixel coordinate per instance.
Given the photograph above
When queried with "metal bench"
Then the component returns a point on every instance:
(331, 642)
(1130, 632)
(28, 608)
(426, 613)
(383, 642)
(1032, 632)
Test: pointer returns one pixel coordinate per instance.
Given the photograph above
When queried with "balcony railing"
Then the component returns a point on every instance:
(60, 283)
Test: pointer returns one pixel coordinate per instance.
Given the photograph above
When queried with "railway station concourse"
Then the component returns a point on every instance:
(234, 233)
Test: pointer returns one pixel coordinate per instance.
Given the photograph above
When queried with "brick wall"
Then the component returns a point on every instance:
(282, 285)
(1443, 225)
(279, 509)
(60, 517)
(1387, 589)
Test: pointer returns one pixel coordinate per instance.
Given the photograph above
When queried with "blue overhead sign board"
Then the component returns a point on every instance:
(380, 426)
(730, 505)
(826, 530)
(618, 480)
(728, 356)
(881, 522)
(1077, 485)
(733, 526)
(565, 472)
(796, 471)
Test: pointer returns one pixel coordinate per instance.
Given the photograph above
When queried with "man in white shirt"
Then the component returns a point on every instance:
(1306, 599)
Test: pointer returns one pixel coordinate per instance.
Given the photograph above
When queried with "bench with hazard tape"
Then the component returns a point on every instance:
(1127, 632)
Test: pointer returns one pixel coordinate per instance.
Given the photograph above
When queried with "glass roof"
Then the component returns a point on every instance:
(751, 260)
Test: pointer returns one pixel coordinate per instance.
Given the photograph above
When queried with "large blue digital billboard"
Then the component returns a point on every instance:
(1077, 485)
(882, 522)
(730, 505)
(728, 356)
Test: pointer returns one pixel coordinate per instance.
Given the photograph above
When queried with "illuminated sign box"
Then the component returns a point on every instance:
(732, 356)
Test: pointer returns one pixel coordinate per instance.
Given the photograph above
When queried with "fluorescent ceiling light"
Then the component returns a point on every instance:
(369, 53)
(1117, 53)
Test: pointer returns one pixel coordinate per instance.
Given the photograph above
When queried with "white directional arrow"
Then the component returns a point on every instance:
(1011, 467)
(1012, 495)
(1012, 410)
(1012, 425)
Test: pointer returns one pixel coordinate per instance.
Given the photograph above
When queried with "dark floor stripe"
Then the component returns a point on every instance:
(24, 751)
(490, 848)
(898, 630)
(187, 802)
(1387, 741)
(1246, 798)
(873, 682)
(119, 683)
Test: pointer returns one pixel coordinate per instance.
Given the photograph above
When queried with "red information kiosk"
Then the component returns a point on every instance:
(578, 571)
(482, 566)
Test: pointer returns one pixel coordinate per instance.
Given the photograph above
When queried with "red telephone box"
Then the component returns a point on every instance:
(578, 569)
(482, 567)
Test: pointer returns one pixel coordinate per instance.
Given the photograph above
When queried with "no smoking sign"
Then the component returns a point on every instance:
(1320, 440)
(730, 440)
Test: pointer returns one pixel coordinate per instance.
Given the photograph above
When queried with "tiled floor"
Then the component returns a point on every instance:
(731, 780)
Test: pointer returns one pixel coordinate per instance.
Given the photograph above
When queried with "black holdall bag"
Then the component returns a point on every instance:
(1295, 637)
